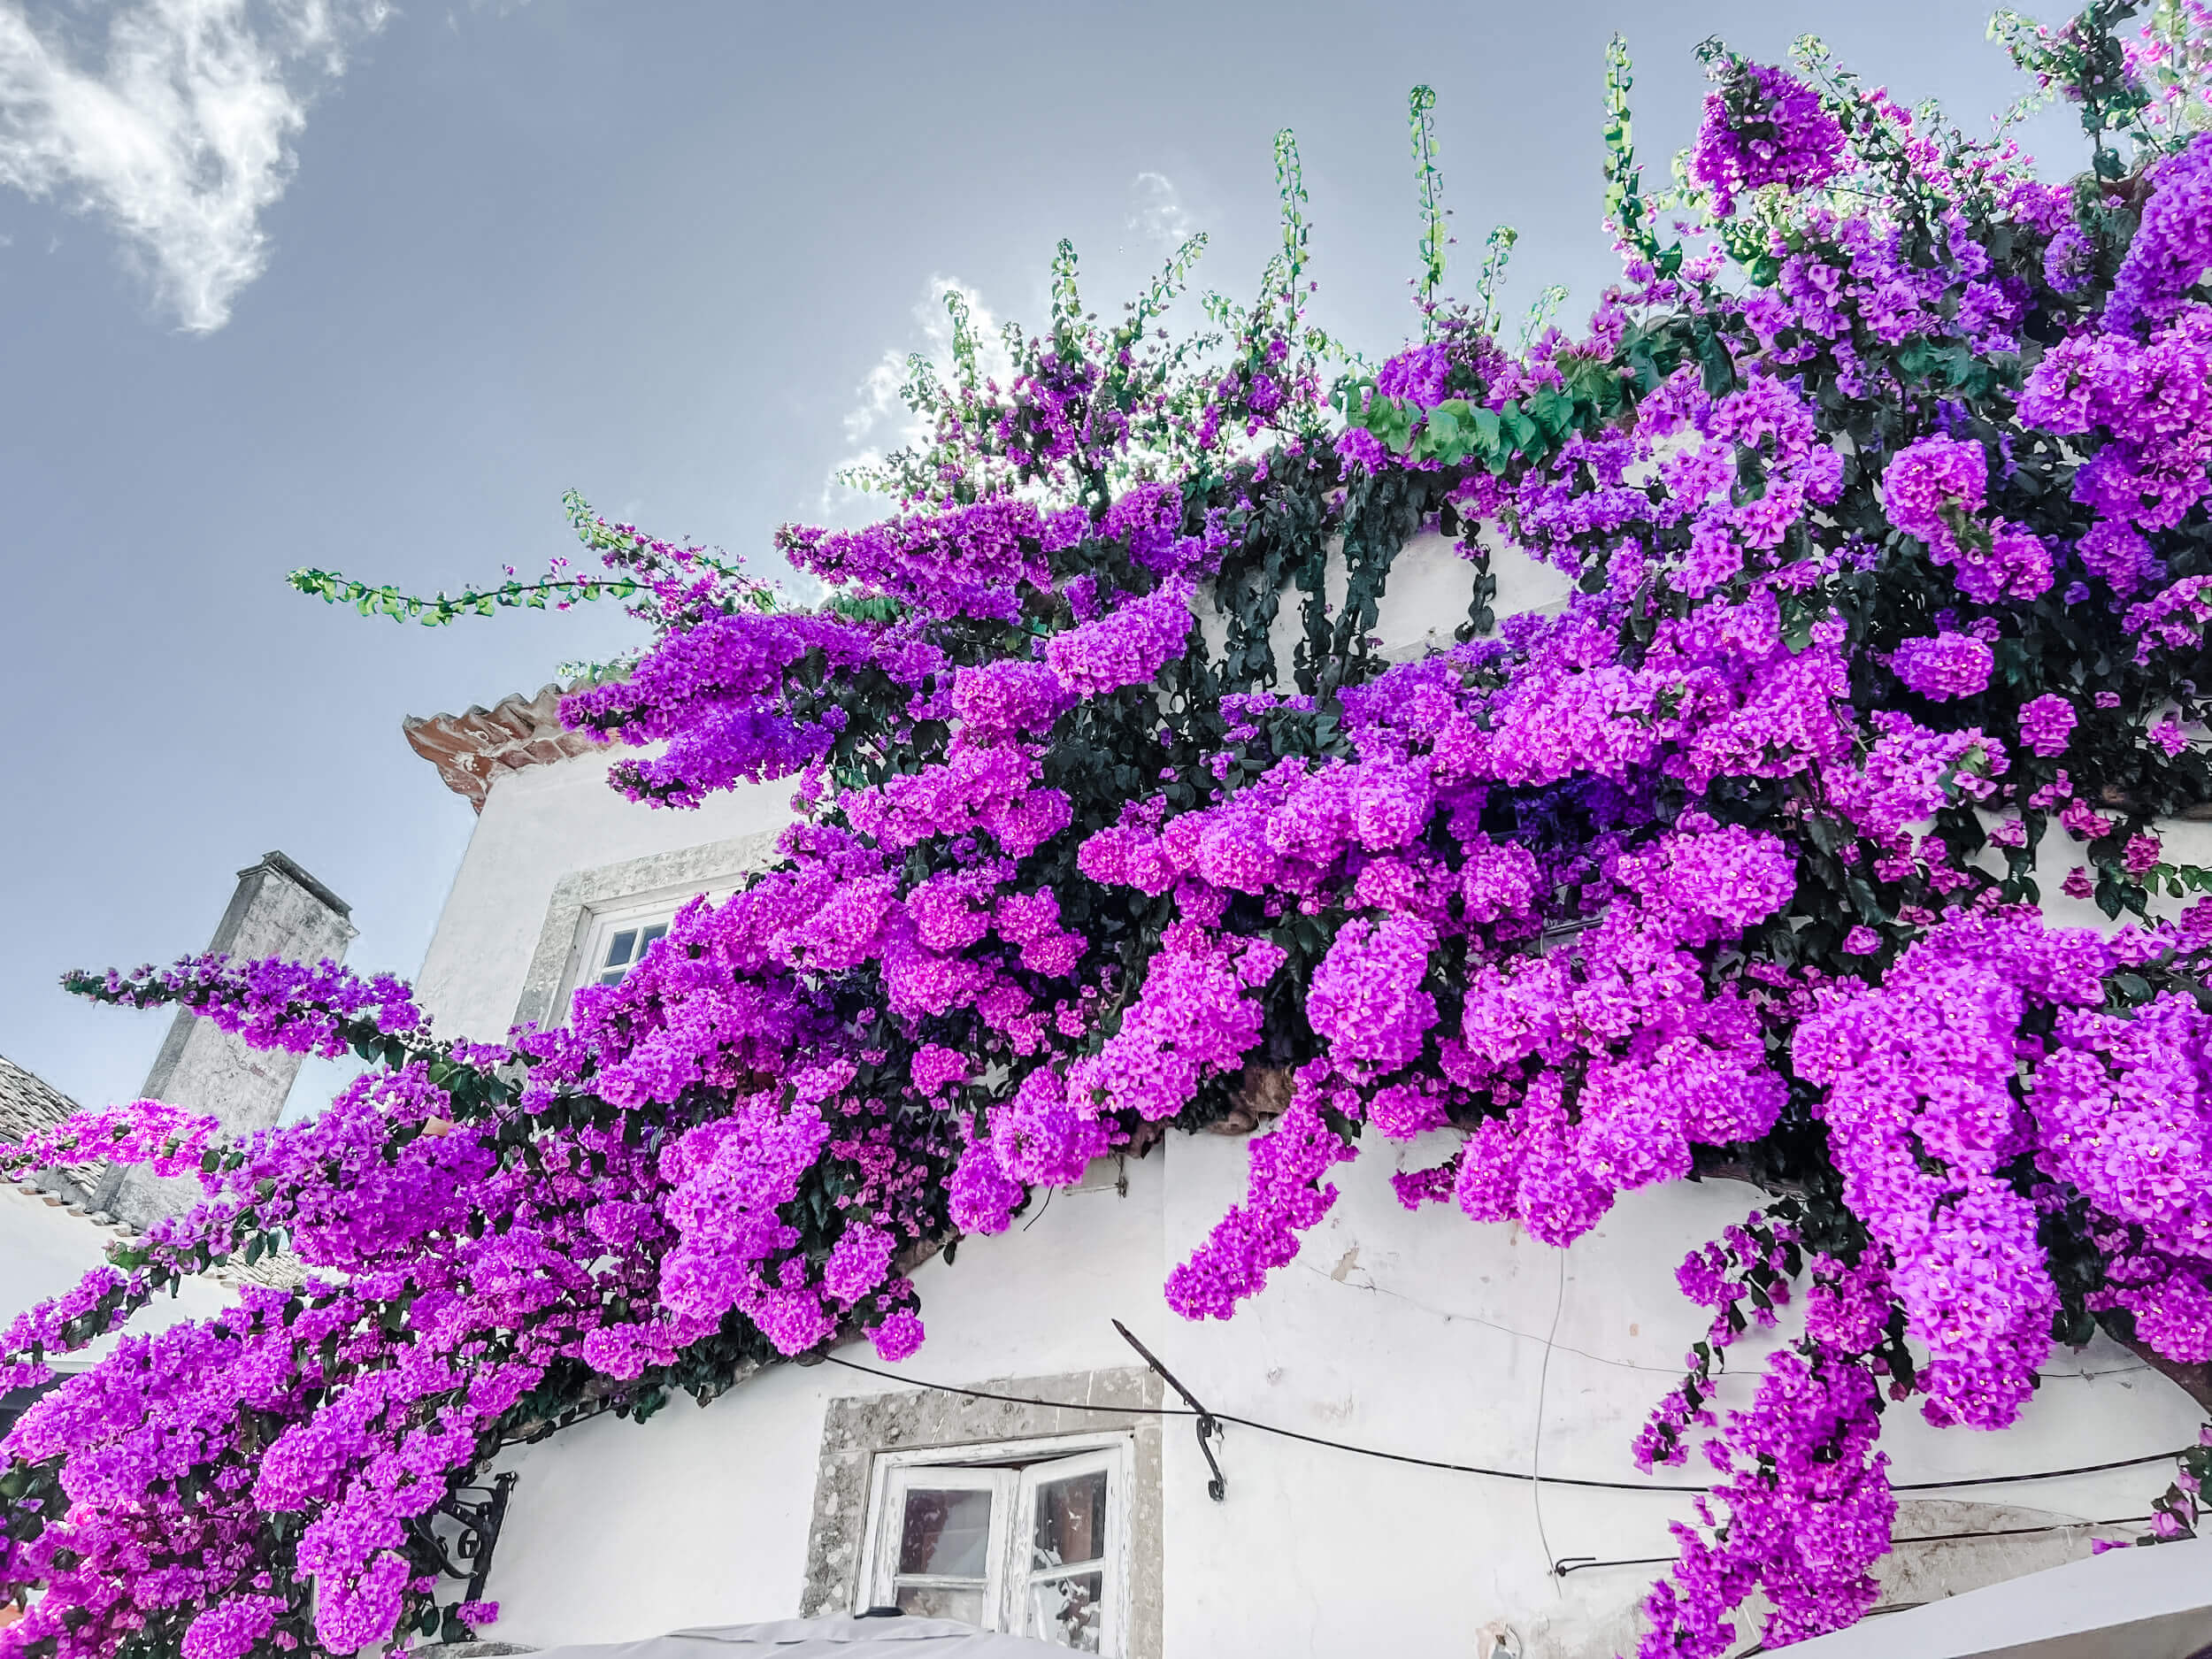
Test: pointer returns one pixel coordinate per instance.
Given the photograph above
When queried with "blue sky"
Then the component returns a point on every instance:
(368, 286)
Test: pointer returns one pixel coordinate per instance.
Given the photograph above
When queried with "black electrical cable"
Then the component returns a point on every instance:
(2040, 1474)
(1012, 1399)
(1457, 1469)
(1262, 1428)
(1566, 1564)
(1467, 1469)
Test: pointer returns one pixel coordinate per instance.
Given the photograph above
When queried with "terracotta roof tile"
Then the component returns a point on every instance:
(472, 748)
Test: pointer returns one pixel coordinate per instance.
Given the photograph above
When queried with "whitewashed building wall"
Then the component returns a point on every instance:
(1417, 1334)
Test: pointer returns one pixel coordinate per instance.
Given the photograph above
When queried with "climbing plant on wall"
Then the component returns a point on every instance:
(1882, 479)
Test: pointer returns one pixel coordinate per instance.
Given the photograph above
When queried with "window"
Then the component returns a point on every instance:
(621, 947)
(1030, 1537)
(612, 937)
(16, 1401)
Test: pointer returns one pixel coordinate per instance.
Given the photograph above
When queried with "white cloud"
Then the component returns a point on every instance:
(879, 394)
(183, 134)
(1157, 211)
(879, 422)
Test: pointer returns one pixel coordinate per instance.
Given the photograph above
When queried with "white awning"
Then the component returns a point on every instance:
(821, 1639)
(2152, 1602)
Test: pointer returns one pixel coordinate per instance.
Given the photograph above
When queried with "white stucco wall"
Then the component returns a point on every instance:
(1426, 1335)
(45, 1251)
(699, 1516)
(1420, 1333)
(538, 825)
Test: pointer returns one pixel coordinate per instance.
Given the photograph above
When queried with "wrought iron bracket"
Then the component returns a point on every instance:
(1209, 1426)
(478, 1512)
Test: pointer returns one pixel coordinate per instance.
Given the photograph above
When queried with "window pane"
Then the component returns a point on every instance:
(1067, 1612)
(659, 930)
(1071, 1520)
(946, 1534)
(16, 1401)
(937, 1601)
(619, 946)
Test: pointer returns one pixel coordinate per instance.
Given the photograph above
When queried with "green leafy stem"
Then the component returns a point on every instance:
(372, 599)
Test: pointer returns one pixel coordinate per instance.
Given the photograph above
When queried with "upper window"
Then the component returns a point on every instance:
(1030, 1537)
(624, 948)
(612, 937)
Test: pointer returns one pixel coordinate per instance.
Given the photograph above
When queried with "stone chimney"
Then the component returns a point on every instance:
(278, 911)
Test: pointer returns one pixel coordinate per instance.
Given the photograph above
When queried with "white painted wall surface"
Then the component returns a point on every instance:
(538, 825)
(1421, 1333)
(700, 1516)
(1438, 1340)
(1415, 1332)
(45, 1251)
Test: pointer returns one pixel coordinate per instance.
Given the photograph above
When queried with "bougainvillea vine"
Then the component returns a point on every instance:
(1882, 483)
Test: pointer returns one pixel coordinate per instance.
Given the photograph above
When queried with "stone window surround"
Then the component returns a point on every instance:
(1013, 1473)
(576, 895)
(857, 1430)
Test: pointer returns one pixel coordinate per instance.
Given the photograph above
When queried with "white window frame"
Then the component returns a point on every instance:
(599, 923)
(1112, 1563)
(1002, 1484)
(1012, 1470)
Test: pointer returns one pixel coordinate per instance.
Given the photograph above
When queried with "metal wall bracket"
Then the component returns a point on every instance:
(1209, 1428)
(478, 1511)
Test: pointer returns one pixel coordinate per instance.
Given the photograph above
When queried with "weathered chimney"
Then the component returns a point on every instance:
(278, 911)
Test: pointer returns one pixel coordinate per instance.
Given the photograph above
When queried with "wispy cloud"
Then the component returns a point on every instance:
(1156, 211)
(499, 9)
(182, 134)
(879, 421)
(878, 395)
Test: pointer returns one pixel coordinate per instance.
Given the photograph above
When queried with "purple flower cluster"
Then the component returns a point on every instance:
(230, 1629)
(1763, 126)
(1366, 1000)
(1944, 665)
(1753, 1262)
(1288, 1192)
(296, 1007)
(971, 562)
(1930, 480)
(2145, 408)
(998, 701)
(1922, 1118)
(2173, 620)
(168, 1139)
(1421, 374)
(2045, 724)
(714, 695)
(1808, 1506)
(2123, 1109)
(1127, 646)
(2172, 247)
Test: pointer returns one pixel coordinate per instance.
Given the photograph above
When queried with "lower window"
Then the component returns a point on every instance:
(16, 1401)
(1030, 1537)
